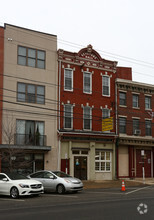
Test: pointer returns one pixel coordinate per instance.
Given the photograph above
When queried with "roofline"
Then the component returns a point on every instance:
(118, 80)
(27, 29)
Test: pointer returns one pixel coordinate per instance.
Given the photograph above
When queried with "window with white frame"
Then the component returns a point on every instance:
(68, 79)
(87, 82)
(106, 85)
(102, 161)
(122, 98)
(135, 101)
(68, 116)
(148, 129)
(147, 102)
(105, 113)
(87, 118)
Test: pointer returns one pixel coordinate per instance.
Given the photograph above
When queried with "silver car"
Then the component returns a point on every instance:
(57, 181)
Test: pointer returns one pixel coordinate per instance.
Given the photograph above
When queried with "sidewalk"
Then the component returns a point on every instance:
(116, 183)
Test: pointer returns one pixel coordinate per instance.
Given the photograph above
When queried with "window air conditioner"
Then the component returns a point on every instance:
(137, 132)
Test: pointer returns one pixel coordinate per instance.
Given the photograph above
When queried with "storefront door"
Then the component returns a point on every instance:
(143, 161)
(80, 167)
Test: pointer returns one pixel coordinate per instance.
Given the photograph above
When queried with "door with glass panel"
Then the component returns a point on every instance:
(80, 167)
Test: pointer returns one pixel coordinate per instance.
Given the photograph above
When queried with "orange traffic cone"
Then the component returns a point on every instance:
(123, 186)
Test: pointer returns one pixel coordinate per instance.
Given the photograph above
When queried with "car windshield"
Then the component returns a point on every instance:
(61, 174)
(16, 176)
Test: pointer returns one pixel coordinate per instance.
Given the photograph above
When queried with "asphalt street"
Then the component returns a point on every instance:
(134, 203)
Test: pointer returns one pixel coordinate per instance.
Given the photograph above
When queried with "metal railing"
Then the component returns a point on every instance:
(30, 139)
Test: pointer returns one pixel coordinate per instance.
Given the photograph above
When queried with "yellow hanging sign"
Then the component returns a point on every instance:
(107, 124)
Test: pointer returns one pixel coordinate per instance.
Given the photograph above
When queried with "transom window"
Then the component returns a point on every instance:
(87, 118)
(147, 102)
(31, 57)
(122, 98)
(30, 93)
(87, 82)
(102, 161)
(68, 116)
(135, 101)
(106, 85)
(68, 79)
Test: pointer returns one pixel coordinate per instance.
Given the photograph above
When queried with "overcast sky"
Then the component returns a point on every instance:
(120, 30)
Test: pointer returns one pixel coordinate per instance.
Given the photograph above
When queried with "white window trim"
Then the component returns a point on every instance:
(72, 80)
(106, 161)
(71, 117)
(138, 107)
(146, 96)
(90, 119)
(109, 85)
(90, 82)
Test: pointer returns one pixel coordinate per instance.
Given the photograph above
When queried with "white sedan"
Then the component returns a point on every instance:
(16, 185)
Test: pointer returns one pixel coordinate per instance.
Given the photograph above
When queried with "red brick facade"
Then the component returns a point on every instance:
(88, 60)
(133, 140)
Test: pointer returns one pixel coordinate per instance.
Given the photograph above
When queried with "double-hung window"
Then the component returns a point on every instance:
(122, 98)
(148, 129)
(31, 57)
(87, 82)
(106, 113)
(122, 125)
(147, 102)
(136, 126)
(87, 118)
(68, 79)
(102, 161)
(68, 116)
(135, 101)
(30, 93)
(106, 85)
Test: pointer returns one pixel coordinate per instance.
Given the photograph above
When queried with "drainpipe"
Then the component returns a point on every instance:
(116, 144)
(59, 141)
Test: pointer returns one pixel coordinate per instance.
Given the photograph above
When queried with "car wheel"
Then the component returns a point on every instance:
(60, 189)
(14, 193)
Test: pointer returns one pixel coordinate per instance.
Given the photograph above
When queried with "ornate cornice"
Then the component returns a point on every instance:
(87, 57)
(128, 85)
(136, 142)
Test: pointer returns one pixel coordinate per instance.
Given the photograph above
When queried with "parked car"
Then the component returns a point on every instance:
(16, 185)
(57, 181)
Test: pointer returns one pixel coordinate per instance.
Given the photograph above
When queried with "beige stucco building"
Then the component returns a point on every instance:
(30, 98)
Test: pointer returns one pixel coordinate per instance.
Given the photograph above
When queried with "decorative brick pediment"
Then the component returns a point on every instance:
(89, 53)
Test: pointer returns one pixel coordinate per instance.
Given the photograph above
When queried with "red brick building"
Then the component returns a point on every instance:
(1, 81)
(135, 146)
(86, 96)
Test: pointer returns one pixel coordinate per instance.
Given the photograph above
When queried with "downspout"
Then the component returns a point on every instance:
(59, 141)
(116, 144)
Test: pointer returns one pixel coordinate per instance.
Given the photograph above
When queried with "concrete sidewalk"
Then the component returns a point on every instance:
(117, 183)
